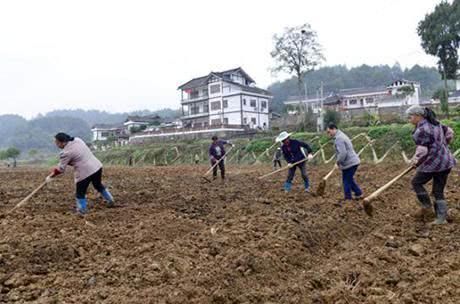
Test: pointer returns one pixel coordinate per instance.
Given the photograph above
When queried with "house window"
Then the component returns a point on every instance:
(245, 121)
(244, 101)
(105, 134)
(225, 121)
(254, 120)
(263, 104)
(206, 108)
(215, 105)
(253, 103)
(225, 103)
(369, 100)
(215, 88)
(353, 102)
(215, 121)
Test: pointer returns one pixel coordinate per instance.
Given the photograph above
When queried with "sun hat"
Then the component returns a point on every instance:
(283, 135)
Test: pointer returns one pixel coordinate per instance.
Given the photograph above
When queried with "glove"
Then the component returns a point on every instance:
(310, 157)
(55, 172)
(48, 179)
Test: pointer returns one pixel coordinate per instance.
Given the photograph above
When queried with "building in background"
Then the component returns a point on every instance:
(137, 123)
(106, 132)
(224, 98)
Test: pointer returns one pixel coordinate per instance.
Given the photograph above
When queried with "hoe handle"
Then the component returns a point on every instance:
(217, 162)
(387, 185)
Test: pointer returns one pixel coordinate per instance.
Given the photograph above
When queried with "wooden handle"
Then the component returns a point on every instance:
(21, 203)
(217, 162)
(287, 167)
(387, 185)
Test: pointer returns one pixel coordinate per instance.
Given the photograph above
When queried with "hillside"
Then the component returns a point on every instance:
(339, 77)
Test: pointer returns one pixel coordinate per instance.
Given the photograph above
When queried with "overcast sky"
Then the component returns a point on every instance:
(130, 55)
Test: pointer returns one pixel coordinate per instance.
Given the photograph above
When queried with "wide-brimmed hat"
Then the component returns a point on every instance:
(283, 135)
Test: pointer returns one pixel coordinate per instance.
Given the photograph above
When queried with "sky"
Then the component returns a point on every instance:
(120, 56)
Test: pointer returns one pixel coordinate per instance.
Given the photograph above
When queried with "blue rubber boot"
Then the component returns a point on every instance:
(108, 197)
(287, 186)
(81, 206)
(307, 186)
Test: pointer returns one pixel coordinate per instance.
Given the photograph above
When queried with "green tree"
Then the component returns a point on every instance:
(331, 116)
(440, 35)
(12, 153)
(297, 51)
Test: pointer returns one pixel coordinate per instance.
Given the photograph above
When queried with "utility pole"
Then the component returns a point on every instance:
(321, 113)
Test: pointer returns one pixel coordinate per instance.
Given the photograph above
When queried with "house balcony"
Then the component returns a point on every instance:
(192, 115)
(194, 98)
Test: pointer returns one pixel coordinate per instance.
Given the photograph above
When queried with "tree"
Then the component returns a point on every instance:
(297, 51)
(12, 153)
(331, 116)
(440, 35)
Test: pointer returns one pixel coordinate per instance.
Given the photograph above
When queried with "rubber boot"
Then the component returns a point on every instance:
(425, 207)
(307, 186)
(81, 206)
(287, 186)
(440, 208)
(108, 197)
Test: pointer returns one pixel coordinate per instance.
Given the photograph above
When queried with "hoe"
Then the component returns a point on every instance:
(213, 166)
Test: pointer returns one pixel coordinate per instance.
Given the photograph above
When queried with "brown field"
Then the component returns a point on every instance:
(179, 240)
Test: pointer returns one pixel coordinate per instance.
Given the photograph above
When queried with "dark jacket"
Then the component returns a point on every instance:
(292, 152)
(217, 150)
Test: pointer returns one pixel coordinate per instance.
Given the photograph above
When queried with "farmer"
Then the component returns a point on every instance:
(216, 152)
(277, 158)
(348, 161)
(88, 169)
(432, 159)
(197, 159)
(293, 153)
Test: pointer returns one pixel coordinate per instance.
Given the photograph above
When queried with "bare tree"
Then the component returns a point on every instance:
(297, 51)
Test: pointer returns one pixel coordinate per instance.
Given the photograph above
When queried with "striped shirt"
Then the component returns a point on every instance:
(438, 158)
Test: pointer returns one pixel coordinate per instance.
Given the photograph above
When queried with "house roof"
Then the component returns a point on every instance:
(203, 80)
(150, 118)
(358, 91)
(454, 94)
(107, 126)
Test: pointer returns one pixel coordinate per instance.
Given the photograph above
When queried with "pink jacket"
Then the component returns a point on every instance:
(77, 155)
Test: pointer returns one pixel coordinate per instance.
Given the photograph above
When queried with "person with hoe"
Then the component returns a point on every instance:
(293, 153)
(348, 161)
(87, 169)
(277, 158)
(216, 152)
(433, 160)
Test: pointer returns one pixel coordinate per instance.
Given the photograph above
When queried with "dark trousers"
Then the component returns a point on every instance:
(276, 162)
(349, 183)
(439, 183)
(95, 179)
(221, 166)
(303, 172)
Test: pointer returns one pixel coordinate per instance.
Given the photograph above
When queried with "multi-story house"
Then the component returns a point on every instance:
(224, 98)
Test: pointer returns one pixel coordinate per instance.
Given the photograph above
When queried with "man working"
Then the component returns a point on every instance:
(216, 152)
(277, 158)
(293, 153)
(347, 160)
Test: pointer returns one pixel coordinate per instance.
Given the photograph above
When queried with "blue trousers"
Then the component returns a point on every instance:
(349, 183)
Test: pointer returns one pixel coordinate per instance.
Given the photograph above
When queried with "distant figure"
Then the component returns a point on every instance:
(87, 169)
(277, 158)
(197, 159)
(293, 153)
(130, 161)
(216, 152)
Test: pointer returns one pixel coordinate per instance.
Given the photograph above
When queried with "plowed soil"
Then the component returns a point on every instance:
(177, 239)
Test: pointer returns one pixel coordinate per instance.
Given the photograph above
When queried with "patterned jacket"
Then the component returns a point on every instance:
(432, 153)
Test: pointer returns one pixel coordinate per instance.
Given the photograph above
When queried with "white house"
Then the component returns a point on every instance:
(224, 98)
(104, 132)
(137, 122)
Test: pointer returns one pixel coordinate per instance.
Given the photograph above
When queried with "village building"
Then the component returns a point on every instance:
(224, 98)
(108, 132)
(136, 123)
